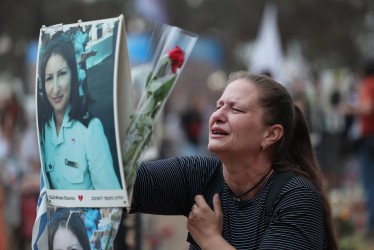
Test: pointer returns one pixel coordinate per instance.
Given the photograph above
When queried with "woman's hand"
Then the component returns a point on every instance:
(206, 225)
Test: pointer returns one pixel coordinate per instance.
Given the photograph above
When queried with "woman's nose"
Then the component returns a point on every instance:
(56, 86)
(219, 115)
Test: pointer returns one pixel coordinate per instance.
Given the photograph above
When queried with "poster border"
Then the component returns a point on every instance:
(94, 198)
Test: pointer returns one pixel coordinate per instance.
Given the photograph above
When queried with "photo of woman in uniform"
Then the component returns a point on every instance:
(75, 151)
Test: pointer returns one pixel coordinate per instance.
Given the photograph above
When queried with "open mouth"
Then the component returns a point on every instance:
(219, 132)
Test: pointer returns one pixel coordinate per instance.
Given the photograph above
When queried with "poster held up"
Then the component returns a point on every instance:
(83, 77)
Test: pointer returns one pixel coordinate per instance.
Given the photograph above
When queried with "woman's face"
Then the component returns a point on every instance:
(58, 83)
(237, 127)
(64, 239)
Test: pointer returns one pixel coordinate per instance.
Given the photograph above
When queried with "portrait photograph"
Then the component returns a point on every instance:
(82, 228)
(76, 113)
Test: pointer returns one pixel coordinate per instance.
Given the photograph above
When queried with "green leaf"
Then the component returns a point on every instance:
(148, 105)
(152, 87)
(149, 77)
(162, 92)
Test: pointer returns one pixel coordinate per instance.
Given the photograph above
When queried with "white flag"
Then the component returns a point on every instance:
(267, 56)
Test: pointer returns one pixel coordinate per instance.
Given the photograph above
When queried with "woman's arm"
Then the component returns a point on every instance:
(168, 186)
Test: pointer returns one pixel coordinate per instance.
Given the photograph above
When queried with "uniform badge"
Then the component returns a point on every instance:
(72, 164)
(49, 167)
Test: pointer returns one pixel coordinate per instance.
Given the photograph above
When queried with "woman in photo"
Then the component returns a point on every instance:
(66, 231)
(75, 150)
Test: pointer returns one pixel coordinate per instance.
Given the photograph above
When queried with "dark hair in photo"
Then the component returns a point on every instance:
(62, 45)
(71, 220)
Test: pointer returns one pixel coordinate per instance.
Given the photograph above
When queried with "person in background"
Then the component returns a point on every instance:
(3, 232)
(364, 111)
(192, 123)
(75, 150)
(11, 171)
(255, 133)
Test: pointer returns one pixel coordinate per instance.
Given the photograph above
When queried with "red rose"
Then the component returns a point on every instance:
(176, 56)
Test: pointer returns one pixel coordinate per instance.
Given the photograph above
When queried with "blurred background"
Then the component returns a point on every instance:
(315, 48)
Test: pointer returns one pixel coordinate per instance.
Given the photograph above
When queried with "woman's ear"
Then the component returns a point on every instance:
(275, 132)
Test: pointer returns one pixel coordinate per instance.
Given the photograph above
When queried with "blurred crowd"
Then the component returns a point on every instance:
(335, 136)
(19, 164)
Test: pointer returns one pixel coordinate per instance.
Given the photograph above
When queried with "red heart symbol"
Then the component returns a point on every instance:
(80, 197)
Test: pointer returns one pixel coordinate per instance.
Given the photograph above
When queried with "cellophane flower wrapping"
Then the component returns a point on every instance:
(168, 52)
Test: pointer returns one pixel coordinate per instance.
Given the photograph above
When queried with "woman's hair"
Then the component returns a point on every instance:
(70, 220)
(60, 44)
(294, 151)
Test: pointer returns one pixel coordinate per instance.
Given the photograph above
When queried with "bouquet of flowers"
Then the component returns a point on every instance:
(172, 49)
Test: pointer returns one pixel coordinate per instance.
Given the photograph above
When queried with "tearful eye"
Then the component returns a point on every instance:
(237, 109)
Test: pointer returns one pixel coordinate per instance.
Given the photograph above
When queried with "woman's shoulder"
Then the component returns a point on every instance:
(300, 188)
(300, 182)
(89, 129)
(198, 160)
(89, 121)
(196, 164)
(191, 160)
(94, 122)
